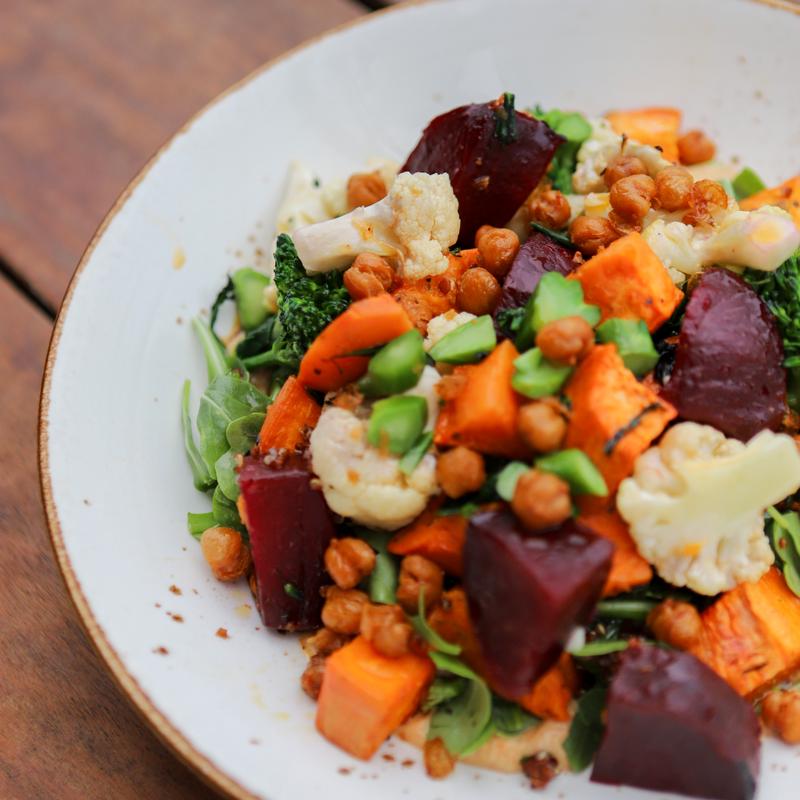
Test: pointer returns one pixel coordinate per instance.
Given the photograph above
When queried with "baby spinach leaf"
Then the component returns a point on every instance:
(203, 480)
(448, 663)
(382, 582)
(601, 648)
(785, 536)
(510, 718)
(410, 461)
(214, 352)
(586, 729)
(462, 722)
(198, 524)
(225, 469)
(442, 690)
(225, 512)
(508, 477)
(421, 626)
(242, 433)
(227, 398)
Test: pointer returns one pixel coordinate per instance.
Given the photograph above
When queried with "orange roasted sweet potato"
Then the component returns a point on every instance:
(786, 196)
(552, 693)
(483, 414)
(614, 418)
(439, 539)
(656, 126)
(450, 619)
(628, 568)
(289, 418)
(365, 696)
(751, 635)
(328, 365)
(628, 280)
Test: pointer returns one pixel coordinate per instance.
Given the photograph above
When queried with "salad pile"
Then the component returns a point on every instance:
(508, 434)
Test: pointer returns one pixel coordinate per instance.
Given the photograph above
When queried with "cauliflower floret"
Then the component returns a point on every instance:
(695, 504)
(445, 323)
(761, 239)
(426, 388)
(414, 225)
(361, 482)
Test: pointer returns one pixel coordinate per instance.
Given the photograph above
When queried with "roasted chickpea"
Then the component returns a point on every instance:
(541, 500)
(418, 575)
(387, 628)
(780, 712)
(368, 276)
(540, 769)
(592, 234)
(348, 560)
(342, 610)
(673, 188)
(365, 188)
(322, 642)
(418, 307)
(478, 291)
(311, 679)
(438, 761)
(542, 426)
(226, 553)
(551, 209)
(677, 623)
(566, 341)
(479, 233)
(460, 471)
(497, 249)
(623, 166)
(695, 147)
(705, 200)
(631, 197)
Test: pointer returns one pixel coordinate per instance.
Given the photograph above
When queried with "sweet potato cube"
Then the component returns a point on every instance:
(439, 539)
(656, 126)
(553, 692)
(614, 417)
(628, 280)
(785, 196)
(289, 418)
(365, 696)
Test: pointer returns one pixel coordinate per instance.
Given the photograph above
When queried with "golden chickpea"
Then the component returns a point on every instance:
(780, 712)
(479, 233)
(387, 629)
(365, 188)
(541, 500)
(551, 209)
(673, 188)
(631, 197)
(695, 147)
(460, 471)
(226, 553)
(311, 679)
(418, 576)
(342, 610)
(592, 234)
(348, 560)
(677, 623)
(705, 200)
(623, 166)
(478, 291)
(438, 761)
(368, 276)
(542, 426)
(418, 306)
(322, 642)
(540, 769)
(566, 341)
(497, 249)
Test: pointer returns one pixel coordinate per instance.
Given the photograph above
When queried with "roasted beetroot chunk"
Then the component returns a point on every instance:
(526, 593)
(537, 256)
(673, 725)
(290, 527)
(729, 364)
(492, 169)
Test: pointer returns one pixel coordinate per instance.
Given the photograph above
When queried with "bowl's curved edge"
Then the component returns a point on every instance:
(164, 729)
(161, 725)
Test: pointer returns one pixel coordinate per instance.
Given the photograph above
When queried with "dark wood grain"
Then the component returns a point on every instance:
(89, 89)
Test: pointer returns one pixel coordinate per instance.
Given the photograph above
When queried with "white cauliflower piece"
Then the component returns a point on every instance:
(761, 239)
(303, 202)
(426, 388)
(695, 504)
(445, 323)
(414, 225)
(361, 482)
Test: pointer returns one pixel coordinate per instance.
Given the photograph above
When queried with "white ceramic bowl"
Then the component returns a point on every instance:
(115, 481)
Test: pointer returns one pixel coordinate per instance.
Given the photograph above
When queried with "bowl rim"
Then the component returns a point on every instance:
(167, 732)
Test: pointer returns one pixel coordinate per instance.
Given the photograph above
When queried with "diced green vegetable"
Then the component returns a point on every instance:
(633, 341)
(602, 647)
(201, 476)
(198, 524)
(397, 422)
(508, 477)
(577, 469)
(785, 535)
(555, 298)
(396, 366)
(535, 376)
(248, 288)
(576, 130)
(467, 343)
(461, 722)
(410, 461)
(747, 183)
(586, 729)
(216, 361)
(382, 581)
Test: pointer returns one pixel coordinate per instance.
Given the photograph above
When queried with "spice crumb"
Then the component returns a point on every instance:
(255, 741)
(175, 617)
(86, 501)
(158, 605)
(407, 762)
(175, 590)
(388, 757)
(161, 650)
(345, 770)
(222, 633)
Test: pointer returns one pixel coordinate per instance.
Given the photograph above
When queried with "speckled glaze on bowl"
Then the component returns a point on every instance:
(114, 479)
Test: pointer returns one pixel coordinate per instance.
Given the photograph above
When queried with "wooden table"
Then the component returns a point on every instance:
(88, 90)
